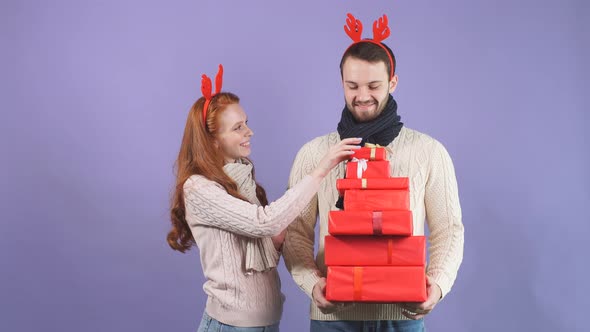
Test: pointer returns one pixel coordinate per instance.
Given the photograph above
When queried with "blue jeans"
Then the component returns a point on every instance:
(367, 326)
(209, 324)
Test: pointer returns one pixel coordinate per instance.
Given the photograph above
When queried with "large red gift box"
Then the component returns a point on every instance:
(370, 222)
(374, 169)
(370, 153)
(375, 251)
(372, 184)
(376, 284)
(376, 200)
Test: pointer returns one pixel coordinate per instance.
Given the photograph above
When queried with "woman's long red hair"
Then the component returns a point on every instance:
(198, 155)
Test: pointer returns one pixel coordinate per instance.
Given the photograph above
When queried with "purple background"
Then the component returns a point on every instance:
(95, 96)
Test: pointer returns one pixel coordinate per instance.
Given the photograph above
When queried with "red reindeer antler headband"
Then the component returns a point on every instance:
(354, 29)
(206, 90)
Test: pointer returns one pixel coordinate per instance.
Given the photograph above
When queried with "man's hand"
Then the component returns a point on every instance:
(416, 310)
(319, 298)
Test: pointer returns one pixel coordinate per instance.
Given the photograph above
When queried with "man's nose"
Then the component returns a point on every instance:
(364, 95)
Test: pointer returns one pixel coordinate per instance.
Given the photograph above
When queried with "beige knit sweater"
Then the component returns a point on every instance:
(223, 227)
(433, 197)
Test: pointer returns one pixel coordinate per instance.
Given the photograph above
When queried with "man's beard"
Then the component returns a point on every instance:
(373, 115)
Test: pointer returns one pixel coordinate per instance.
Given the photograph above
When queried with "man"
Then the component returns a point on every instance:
(368, 77)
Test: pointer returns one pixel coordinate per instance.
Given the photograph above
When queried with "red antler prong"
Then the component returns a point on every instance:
(381, 29)
(219, 79)
(353, 28)
(206, 86)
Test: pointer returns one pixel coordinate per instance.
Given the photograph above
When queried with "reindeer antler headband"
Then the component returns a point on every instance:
(354, 29)
(206, 90)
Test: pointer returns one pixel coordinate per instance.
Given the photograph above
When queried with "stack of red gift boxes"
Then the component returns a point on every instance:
(370, 253)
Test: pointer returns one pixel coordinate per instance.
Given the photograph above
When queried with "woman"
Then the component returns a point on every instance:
(218, 206)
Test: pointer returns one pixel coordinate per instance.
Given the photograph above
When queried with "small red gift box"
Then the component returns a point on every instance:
(376, 184)
(370, 153)
(375, 251)
(376, 200)
(376, 284)
(370, 222)
(367, 169)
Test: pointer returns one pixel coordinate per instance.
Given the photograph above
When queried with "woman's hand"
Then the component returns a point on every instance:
(337, 153)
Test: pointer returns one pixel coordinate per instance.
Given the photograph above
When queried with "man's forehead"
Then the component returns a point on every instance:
(364, 77)
(356, 82)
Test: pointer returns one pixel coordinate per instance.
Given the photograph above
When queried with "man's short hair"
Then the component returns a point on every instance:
(371, 53)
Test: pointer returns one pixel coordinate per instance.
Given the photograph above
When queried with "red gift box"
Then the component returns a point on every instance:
(375, 251)
(374, 169)
(370, 153)
(376, 200)
(376, 284)
(372, 184)
(370, 222)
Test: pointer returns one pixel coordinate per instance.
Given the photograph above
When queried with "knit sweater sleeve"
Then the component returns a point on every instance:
(298, 249)
(443, 213)
(207, 203)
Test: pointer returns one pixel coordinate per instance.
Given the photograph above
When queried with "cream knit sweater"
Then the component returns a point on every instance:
(222, 227)
(433, 197)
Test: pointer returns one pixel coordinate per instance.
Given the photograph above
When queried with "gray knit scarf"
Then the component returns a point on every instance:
(261, 254)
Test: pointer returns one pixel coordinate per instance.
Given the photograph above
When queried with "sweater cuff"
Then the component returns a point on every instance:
(441, 279)
(308, 282)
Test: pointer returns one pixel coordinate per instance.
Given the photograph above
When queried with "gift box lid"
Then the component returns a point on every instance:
(372, 184)
(375, 250)
(370, 153)
(396, 222)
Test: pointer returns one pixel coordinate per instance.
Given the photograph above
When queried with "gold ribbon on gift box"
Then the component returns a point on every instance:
(373, 148)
